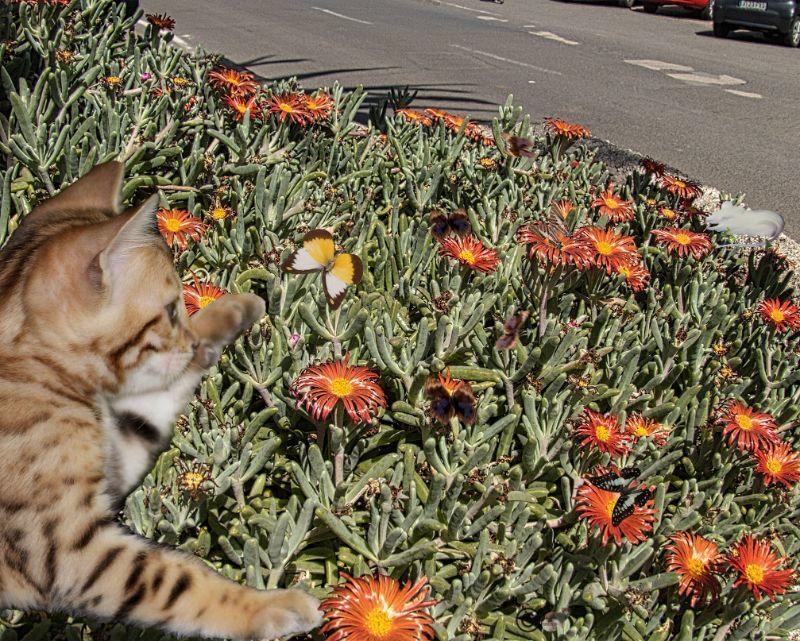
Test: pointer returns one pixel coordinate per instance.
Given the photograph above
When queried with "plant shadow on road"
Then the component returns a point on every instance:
(745, 36)
(442, 95)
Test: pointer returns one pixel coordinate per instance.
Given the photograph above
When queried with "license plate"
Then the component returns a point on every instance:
(750, 4)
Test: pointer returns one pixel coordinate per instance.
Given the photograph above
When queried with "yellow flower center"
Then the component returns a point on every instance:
(679, 183)
(683, 239)
(604, 248)
(744, 421)
(311, 104)
(192, 480)
(774, 466)
(113, 80)
(610, 507)
(173, 225)
(641, 431)
(602, 433)
(777, 315)
(668, 213)
(625, 271)
(378, 622)
(218, 213)
(467, 256)
(611, 203)
(696, 567)
(181, 82)
(754, 573)
(286, 107)
(341, 387)
(203, 301)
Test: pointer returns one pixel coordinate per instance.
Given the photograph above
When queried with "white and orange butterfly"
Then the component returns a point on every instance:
(318, 254)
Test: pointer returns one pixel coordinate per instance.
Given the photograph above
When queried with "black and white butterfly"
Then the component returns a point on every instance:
(627, 503)
(629, 498)
(615, 481)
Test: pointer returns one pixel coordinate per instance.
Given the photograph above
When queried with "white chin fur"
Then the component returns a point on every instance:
(158, 372)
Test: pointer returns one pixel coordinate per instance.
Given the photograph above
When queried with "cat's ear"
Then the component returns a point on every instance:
(98, 190)
(139, 230)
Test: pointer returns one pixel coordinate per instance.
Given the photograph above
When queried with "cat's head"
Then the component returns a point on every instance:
(96, 287)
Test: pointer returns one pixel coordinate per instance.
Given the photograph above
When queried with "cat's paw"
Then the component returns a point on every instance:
(286, 613)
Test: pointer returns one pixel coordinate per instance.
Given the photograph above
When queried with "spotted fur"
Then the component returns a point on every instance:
(97, 358)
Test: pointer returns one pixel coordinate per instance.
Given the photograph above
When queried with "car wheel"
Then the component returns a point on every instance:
(708, 12)
(721, 30)
(649, 7)
(792, 39)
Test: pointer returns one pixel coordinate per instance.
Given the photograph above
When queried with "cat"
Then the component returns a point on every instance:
(97, 358)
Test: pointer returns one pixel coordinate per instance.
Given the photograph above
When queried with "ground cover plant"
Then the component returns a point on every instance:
(547, 406)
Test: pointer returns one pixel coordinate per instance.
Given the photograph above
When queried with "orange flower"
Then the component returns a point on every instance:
(781, 315)
(378, 608)
(635, 276)
(778, 463)
(603, 432)
(640, 427)
(323, 386)
(554, 246)
(453, 122)
(240, 106)
(559, 127)
(177, 225)
(680, 187)
(437, 114)
(470, 252)
(683, 242)
(411, 115)
(617, 210)
(745, 428)
(160, 21)
(219, 212)
(198, 295)
(597, 505)
(563, 208)
(653, 167)
(608, 250)
(669, 214)
(698, 562)
(319, 106)
(237, 83)
(759, 568)
(289, 106)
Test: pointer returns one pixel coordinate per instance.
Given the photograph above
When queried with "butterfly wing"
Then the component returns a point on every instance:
(347, 270)
(441, 403)
(627, 503)
(317, 252)
(615, 481)
(440, 225)
(459, 222)
(464, 404)
(506, 341)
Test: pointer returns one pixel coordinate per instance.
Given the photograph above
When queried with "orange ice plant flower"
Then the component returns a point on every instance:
(289, 106)
(547, 244)
(782, 315)
(236, 83)
(759, 568)
(412, 115)
(683, 242)
(640, 427)
(470, 252)
(778, 463)
(698, 562)
(160, 21)
(240, 106)
(611, 205)
(177, 226)
(378, 608)
(319, 105)
(745, 428)
(321, 387)
(596, 506)
(603, 431)
(559, 127)
(608, 249)
(198, 295)
(681, 187)
(636, 276)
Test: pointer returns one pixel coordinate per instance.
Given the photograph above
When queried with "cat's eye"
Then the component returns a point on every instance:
(172, 311)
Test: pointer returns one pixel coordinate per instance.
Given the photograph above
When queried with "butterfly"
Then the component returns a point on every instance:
(456, 222)
(319, 254)
(615, 481)
(627, 503)
(518, 146)
(450, 398)
(629, 499)
(511, 330)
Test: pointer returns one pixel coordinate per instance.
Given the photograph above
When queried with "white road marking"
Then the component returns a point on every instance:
(492, 18)
(744, 94)
(509, 60)
(531, 82)
(340, 15)
(459, 6)
(529, 26)
(552, 36)
(706, 78)
(658, 65)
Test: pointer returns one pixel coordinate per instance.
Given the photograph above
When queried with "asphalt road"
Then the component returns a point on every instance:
(723, 111)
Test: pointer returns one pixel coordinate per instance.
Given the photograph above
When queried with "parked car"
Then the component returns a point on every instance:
(777, 19)
(704, 8)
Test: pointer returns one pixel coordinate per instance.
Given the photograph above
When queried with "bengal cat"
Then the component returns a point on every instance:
(97, 358)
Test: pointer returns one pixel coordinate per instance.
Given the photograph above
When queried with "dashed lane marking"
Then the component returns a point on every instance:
(744, 94)
(658, 65)
(340, 15)
(707, 79)
(508, 60)
(460, 6)
(492, 18)
(549, 35)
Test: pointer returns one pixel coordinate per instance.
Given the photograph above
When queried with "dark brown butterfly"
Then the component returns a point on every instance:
(511, 330)
(456, 222)
(518, 146)
(450, 398)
